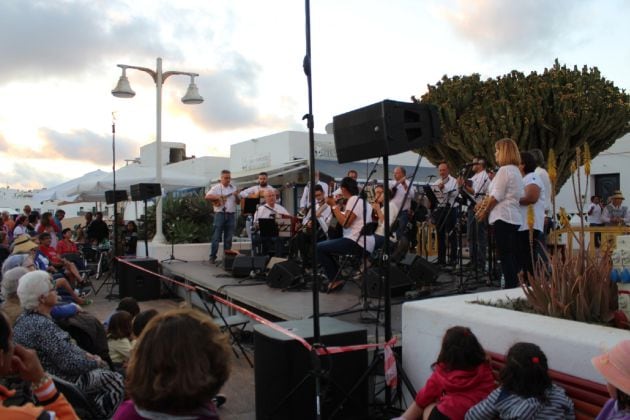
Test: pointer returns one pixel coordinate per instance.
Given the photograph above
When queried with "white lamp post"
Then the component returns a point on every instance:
(123, 90)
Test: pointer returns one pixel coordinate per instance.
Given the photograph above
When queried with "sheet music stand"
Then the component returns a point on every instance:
(268, 228)
(428, 192)
(250, 205)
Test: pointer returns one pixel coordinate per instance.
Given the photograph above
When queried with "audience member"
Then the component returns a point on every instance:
(614, 366)
(33, 221)
(130, 238)
(11, 305)
(56, 264)
(461, 378)
(97, 230)
(127, 304)
(140, 321)
(59, 356)
(119, 337)
(59, 216)
(21, 226)
(15, 359)
(177, 386)
(526, 390)
(47, 225)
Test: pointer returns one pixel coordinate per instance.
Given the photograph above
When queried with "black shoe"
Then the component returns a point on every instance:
(212, 260)
(335, 285)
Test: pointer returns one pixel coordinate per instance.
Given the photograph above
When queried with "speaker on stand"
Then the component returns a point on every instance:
(145, 192)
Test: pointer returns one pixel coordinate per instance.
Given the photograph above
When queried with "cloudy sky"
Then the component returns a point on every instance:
(58, 66)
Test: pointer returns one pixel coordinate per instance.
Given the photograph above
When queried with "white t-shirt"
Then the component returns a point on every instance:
(230, 202)
(544, 177)
(305, 200)
(352, 232)
(539, 206)
(266, 212)
(324, 217)
(448, 194)
(256, 190)
(393, 212)
(401, 190)
(19, 230)
(480, 184)
(507, 188)
(594, 217)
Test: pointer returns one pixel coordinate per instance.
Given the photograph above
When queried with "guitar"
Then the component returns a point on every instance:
(223, 198)
(261, 194)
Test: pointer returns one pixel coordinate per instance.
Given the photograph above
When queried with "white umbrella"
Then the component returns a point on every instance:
(61, 192)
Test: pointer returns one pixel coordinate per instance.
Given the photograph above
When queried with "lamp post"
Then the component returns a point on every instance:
(192, 97)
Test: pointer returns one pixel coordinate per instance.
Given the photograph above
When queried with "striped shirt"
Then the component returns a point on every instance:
(504, 405)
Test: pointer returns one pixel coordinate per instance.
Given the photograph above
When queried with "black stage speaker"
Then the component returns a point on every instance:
(145, 191)
(136, 283)
(399, 282)
(281, 363)
(385, 128)
(284, 274)
(244, 264)
(121, 195)
(419, 270)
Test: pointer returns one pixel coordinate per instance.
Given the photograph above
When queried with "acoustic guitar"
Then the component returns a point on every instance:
(261, 194)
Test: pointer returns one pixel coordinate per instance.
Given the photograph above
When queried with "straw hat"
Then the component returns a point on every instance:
(615, 366)
(23, 244)
(617, 194)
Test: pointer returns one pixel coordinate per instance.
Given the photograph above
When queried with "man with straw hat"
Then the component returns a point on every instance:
(615, 214)
(23, 244)
(614, 366)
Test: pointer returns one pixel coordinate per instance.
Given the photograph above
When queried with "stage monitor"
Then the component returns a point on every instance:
(385, 128)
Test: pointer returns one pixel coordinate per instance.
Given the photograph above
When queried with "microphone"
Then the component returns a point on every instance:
(430, 176)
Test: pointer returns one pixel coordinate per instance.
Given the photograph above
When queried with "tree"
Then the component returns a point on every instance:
(560, 109)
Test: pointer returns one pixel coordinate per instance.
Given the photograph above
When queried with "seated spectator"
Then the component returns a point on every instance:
(59, 216)
(47, 225)
(33, 221)
(461, 378)
(140, 321)
(97, 230)
(525, 391)
(68, 249)
(119, 337)
(59, 356)
(178, 386)
(58, 264)
(11, 305)
(24, 245)
(15, 359)
(127, 304)
(21, 226)
(8, 221)
(614, 366)
(130, 238)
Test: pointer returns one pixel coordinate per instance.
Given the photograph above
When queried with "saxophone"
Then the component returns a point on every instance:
(480, 212)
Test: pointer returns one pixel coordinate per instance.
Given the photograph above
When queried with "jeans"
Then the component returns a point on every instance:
(224, 224)
(506, 236)
(598, 235)
(477, 233)
(326, 250)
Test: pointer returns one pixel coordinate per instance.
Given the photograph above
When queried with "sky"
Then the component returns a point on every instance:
(58, 67)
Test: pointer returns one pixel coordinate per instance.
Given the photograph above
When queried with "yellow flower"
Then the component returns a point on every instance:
(587, 159)
(564, 217)
(530, 222)
(551, 167)
(573, 167)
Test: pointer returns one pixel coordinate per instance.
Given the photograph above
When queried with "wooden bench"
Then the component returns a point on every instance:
(588, 397)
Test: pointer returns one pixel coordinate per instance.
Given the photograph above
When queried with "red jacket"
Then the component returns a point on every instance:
(456, 391)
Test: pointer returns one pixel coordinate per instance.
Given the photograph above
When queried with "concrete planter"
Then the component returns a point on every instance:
(569, 345)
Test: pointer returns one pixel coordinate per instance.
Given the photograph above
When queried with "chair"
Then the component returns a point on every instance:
(82, 405)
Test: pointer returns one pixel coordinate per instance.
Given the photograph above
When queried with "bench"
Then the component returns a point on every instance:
(588, 397)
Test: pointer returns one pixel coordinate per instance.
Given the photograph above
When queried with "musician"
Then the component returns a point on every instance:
(258, 191)
(352, 241)
(269, 210)
(223, 197)
(399, 187)
(445, 216)
(352, 174)
(378, 215)
(501, 206)
(305, 201)
(614, 214)
(477, 231)
(323, 213)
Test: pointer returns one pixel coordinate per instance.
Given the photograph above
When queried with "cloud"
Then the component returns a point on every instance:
(527, 27)
(84, 145)
(4, 145)
(28, 176)
(40, 38)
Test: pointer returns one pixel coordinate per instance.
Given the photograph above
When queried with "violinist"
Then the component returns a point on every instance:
(323, 213)
(399, 187)
(445, 216)
(269, 210)
(223, 197)
(378, 216)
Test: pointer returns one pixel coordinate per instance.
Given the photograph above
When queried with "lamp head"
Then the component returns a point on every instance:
(192, 96)
(123, 89)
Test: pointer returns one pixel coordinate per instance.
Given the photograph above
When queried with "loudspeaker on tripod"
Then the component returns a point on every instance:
(145, 191)
(119, 195)
(419, 270)
(398, 281)
(284, 274)
(282, 362)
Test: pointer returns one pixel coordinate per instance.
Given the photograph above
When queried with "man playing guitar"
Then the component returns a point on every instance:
(223, 197)
(258, 191)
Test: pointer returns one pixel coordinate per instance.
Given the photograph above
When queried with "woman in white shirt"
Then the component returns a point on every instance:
(503, 208)
(535, 195)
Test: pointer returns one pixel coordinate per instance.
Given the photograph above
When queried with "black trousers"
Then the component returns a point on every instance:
(445, 220)
(506, 241)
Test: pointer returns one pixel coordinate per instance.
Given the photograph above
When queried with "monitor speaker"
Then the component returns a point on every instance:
(282, 361)
(145, 191)
(419, 270)
(243, 265)
(385, 128)
(284, 274)
(136, 283)
(121, 195)
(399, 282)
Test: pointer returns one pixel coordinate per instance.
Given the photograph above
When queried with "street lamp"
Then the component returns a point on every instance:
(192, 97)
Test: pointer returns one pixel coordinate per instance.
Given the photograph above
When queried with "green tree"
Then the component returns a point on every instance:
(561, 108)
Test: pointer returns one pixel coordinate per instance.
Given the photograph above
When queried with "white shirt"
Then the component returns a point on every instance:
(256, 190)
(507, 188)
(595, 216)
(400, 193)
(539, 206)
(324, 217)
(353, 231)
(393, 212)
(305, 200)
(480, 184)
(265, 211)
(544, 177)
(230, 202)
(19, 230)
(448, 194)
(611, 211)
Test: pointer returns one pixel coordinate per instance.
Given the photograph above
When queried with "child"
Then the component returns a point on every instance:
(140, 321)
(461, 378)
(526, 391)
(130, 238)
(119, 337)
(615, 368)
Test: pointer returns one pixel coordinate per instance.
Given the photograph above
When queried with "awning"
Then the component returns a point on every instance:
(291, 172)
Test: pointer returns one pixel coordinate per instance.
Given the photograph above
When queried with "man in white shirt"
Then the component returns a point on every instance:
(305, 200)
(477, 235)
(323, 213)
(594, 212)
(258, 191)
(399, 186)
(614, 214)
(445, 216)
(542, 173)
(269, 210)
(224, 197)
